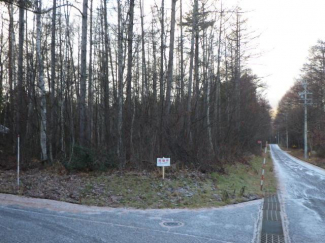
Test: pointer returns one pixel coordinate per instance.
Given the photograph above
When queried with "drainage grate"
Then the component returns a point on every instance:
(270, 238)
(272, 215)
(172, 224)
(272, 231)
(271, 203)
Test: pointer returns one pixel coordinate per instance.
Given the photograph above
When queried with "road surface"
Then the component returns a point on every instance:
(40, 220)
(302, 189)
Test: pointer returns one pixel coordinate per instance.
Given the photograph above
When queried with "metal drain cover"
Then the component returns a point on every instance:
(272, 231)
(172, 224)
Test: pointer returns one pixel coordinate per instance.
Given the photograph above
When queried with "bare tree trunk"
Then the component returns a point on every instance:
(90, 78)
(217, 110)
(82, 100)
(20, 65)
(30, 82)
(52, 81)
(171, 58)
(120, 85)
(11, 55)
(189, 99)
(182, 50)
(106, 82)
(41, 81)
(162, 46)
(208, 65)
(154, 77)
(237, 73)
(144, 67)
(128, 140)
(1, 64)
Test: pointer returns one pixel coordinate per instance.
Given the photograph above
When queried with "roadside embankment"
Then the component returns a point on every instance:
(240, 182)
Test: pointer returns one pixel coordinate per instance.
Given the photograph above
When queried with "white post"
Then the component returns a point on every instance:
(163, 171)
(18, 160)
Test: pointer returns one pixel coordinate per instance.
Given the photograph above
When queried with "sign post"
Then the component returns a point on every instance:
(18, 158)
(163, 162)
(260, 142)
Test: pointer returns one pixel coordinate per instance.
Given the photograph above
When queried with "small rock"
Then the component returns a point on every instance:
(181, 190)
(217, 197)
(252, 197)
(116, 199)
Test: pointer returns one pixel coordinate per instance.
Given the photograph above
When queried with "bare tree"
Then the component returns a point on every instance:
(20, 66)
(41, 84)
(83, 78)
(171, 57)
(52, 125)
(120, 83)
(128, 102)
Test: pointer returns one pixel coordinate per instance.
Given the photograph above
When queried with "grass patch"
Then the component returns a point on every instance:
(181, 189)
(245, 178)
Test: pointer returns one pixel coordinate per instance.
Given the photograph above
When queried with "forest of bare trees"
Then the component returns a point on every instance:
(289, 122)
(99, 84)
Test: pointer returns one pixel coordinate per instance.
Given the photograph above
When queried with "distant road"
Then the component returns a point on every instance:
(40, 220)
(302, 188)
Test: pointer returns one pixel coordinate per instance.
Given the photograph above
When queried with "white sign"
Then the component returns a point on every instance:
(163, 161)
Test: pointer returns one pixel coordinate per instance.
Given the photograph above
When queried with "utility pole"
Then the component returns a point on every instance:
(307, 101)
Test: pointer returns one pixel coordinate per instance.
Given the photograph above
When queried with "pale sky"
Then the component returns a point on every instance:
(288, 29)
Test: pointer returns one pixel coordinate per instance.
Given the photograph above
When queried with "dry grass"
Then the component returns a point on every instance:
(182, 189)
(313, 159)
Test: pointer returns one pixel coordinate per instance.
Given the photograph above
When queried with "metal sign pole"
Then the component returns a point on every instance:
(18, 160)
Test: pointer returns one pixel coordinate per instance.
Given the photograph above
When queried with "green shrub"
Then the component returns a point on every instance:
(86, 159)
(81, 159)
(215, 176)
(242, 191)
(320, 152)
(224, 196)
(105, 160)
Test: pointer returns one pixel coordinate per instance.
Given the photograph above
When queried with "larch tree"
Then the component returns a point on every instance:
(83, 76)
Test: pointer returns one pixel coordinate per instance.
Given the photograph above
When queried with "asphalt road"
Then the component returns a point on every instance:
(302, 189)
(39, 220)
